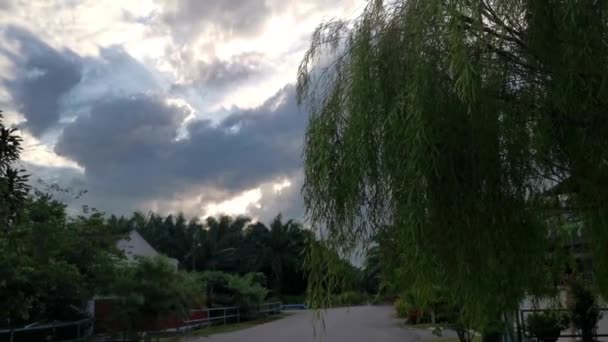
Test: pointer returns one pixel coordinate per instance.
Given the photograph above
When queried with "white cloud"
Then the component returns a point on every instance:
(278, 187)
(37, 153)
(126, 48)
(238, 205)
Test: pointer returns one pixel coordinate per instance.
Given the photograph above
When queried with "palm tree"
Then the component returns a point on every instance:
(223, 238)
(285, 243)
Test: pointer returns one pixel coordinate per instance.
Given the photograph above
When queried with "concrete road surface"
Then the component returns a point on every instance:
(356, 324)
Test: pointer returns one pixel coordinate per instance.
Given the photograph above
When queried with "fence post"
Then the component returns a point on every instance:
(12, 334)
(238, 314)
(224, 315)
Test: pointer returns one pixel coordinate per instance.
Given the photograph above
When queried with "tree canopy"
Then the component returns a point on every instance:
(460, 125)
(229, 244)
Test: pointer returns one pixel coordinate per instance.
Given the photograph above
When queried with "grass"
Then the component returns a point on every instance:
(225, 328)
(454, 339)
(424, 325)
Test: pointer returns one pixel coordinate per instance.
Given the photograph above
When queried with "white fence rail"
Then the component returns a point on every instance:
(226, 315)
(271, 308)
(56, 331)
(215, 315)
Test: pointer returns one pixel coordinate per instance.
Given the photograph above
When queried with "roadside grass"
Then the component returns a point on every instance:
(220, 329)
(434, 327)
(454, 339)
(424, 325)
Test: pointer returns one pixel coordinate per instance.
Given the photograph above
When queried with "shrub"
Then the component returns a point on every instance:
(584, 310)
(151, 290)
(224, 289)
(402, 308)
(293, 299)
(349, 298)
(411, 313)
(546, 326)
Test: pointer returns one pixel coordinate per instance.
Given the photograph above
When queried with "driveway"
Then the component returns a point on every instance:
(355, 324)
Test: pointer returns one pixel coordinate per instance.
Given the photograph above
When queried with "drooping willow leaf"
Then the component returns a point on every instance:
(452, 123)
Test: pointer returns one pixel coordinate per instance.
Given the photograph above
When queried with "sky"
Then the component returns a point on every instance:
(156, 105)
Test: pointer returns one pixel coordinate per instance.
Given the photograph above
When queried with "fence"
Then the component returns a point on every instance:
(601, 330)
(61, 331)
(214, 315)
(80, 330)
(271, 308)
(294, 307)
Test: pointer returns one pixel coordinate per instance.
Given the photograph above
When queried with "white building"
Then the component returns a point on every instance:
(135, 245)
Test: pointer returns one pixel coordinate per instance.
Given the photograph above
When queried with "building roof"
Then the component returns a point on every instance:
(134, 245)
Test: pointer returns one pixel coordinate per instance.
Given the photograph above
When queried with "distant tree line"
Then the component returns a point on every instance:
(229, 244)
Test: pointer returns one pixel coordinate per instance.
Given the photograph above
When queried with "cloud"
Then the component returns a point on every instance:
(128, 149)
(6, 4)
(219, 74)
(120, 132)
(42, 78)
(188, 18)
(282, 197)
(116, 95)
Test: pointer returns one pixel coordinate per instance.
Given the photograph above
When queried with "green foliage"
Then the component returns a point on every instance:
(293, 299)
(402, 308)
(51, 264)
(328, 274)
(225, 289)
(350, 298)
(546, 326)
(447, 122)
(584, 310)
(152, 289)
(372, 272)
(415, 309)
(13, 182)
(228, 244)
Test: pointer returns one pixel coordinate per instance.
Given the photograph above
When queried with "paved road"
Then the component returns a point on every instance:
(356, 324)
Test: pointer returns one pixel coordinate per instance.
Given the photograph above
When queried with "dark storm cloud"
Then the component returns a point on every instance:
(128, 146)
(230, 17)
(43, 76)
(120, 130)
(249, 146)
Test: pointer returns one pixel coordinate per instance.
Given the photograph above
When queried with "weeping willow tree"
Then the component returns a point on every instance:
(452, 122)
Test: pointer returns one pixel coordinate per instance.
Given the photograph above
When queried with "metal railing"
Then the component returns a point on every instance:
(229, 314)
(59, 331)
(271, 308)
(301, 306)
(215, 315)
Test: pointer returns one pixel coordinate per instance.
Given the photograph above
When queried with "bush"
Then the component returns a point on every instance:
(411, 313)
(546, 326)
(293, 299)
(402, 308)
(151, 290)
(224, 289)
(350, 298)
(584, 310)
